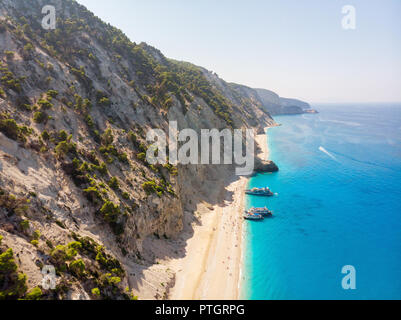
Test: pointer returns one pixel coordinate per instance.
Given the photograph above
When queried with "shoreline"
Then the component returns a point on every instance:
(212, 266)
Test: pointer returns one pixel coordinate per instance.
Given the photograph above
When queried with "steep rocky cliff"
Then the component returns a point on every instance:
(270, 100)
(76, 191)
(286, 102)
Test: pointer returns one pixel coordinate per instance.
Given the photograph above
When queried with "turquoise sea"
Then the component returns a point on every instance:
(338, 203)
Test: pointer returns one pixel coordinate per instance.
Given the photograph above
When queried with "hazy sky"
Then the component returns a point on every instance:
(296, 48)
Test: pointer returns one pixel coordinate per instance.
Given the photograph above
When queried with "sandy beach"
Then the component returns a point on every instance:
(261, 140)
(212, 265)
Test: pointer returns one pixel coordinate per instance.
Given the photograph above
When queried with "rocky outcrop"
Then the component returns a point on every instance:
(262, 166)
(276, 105)
(285, 102)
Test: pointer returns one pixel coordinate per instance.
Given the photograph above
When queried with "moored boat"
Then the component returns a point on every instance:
(266, 192)
(262, 211)
(252, 216)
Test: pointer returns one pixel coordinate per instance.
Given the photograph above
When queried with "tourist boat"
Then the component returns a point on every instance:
(261, 211)
(266, 192)
(252, 216)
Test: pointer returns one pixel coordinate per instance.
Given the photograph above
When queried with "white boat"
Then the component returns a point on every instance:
(262, 211)
(252, 216)
(266, 192)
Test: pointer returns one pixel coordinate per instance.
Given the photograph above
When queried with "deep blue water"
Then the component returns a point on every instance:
(332, 210)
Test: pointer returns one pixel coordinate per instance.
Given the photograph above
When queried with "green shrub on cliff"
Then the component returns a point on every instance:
(64, 148)
(10, 128)
(10, 81)
(107, 137)
(7, 264)
(9, 54)
(141, 156)
(96, 292)
(77, 267)
(45, 135)
(171, 169)
(105, 102)
(39, 117)
(110, 211)
(35, 242)
(113, 183)
(102, 168)
(24, 225)
(108, 262)
(61, 253)
(13, 284)
(52, 93)
(62, 135)
(16, 287)
(76, 245)
(88, 245)
(152, 187)
(35, 294)
(89, 121)
(93, 194)
(123, 157)
(36, 235)
(109, 280)
(79, 73)
(44, 104)
(13, 205)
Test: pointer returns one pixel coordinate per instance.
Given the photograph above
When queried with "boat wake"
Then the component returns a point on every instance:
(354, 159)
(328, 153)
